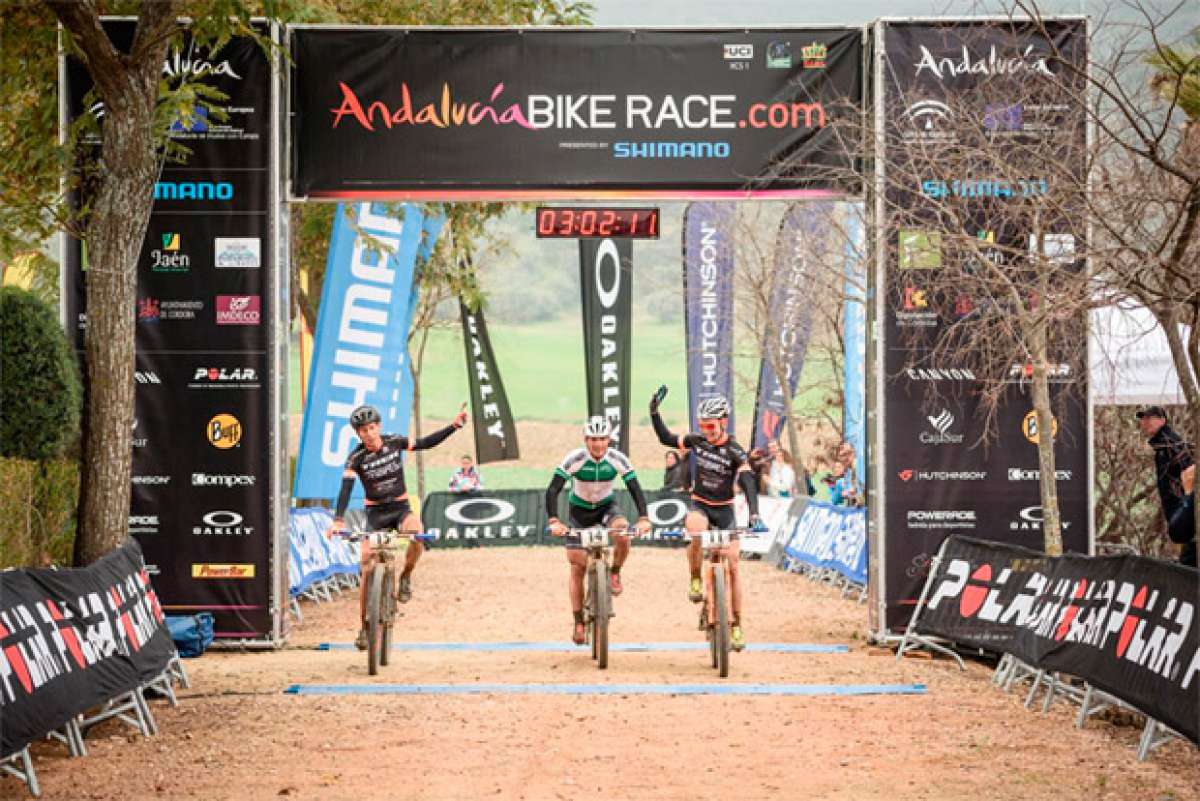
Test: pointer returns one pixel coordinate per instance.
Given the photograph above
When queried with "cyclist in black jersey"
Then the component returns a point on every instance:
(377, 462)
(720, 462)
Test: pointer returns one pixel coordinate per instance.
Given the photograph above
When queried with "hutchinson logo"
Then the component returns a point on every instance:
(239, 309)
(210, 571)
(1029, 427)
(224, 431)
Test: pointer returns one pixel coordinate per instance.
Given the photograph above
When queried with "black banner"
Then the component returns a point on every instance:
(202, 432)
(495, 433)
(1126, 624)
(606, 284)
(403, 112)
(72, 639)
(949, 87)
(518, 517)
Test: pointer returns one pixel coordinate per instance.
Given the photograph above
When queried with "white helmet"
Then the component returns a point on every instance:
(713, 408)
(597, 427)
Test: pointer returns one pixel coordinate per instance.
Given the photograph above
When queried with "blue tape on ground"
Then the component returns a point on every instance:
(606, 689)
(625, 647)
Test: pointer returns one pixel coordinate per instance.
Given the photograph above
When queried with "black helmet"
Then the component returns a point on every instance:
(364, 415)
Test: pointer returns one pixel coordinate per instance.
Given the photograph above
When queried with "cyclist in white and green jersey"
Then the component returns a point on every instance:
(592, 471)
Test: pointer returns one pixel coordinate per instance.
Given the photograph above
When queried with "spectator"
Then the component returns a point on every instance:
(781, 479)
(760, 466)
(1172, 459)
(675, 474)
(466, 478)
(848, 476)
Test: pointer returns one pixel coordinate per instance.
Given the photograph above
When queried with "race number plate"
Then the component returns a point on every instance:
(714, 539)
(593, 538)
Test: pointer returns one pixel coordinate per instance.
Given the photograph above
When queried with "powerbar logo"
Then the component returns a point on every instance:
(209, 571)
(222, 480)
(1131, 622)
(941, 519)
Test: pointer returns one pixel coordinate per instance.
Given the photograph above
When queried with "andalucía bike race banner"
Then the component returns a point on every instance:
(953, 91)
(606, 284)
(360, 354)
(801, 240)
(495, 433)
(708, 262)
(202, 492)
(479, 113)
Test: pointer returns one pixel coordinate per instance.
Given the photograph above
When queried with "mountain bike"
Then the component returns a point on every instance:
(381, 589)
(597, 599)
(716, 609)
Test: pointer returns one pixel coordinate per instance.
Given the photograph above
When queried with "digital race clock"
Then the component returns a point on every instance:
(576, 222)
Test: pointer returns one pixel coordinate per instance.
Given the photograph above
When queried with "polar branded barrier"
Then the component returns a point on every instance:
(72, 639)
(833, 537)
(1125, 624)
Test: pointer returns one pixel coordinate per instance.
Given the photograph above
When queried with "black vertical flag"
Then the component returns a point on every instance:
(605, 281)
(495, 434)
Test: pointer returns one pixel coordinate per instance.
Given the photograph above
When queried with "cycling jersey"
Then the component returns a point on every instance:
(592, 481)
(382, 471)
(718, 467)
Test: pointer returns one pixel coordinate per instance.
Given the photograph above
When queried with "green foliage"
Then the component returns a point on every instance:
(1177, 78)
(40, 391)
(37, 503)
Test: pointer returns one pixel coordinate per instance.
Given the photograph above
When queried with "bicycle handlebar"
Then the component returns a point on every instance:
(359, 536)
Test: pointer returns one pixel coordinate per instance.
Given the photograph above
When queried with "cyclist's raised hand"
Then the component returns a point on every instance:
(657, 398)
(643, 526)
(460, 419)
(557, 527)
(338, 526)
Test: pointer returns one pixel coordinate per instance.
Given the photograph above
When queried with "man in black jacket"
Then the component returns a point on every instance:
(1172, 456)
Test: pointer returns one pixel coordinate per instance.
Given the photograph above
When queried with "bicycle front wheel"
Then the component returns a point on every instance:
(387, 614)
(589, 610)
(601, 607)
(374, 619)
(721, 629)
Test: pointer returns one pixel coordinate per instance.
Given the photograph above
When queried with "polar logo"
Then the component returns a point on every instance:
(666, 512)
(502, 510)
(222, 519)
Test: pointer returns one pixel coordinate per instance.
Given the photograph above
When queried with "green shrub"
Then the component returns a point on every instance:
(37, 502)
(40, 394)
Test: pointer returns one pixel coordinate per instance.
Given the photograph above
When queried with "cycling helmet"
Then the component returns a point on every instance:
(364, 415)
(713, 408)
(597, 427)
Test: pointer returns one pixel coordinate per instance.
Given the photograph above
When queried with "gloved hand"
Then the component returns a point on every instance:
(657, 398)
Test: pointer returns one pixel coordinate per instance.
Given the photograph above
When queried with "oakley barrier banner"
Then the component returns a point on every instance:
(487, 113)
(495, 432)
(708, 262)
(801, 239)
(360, 355)
(202, 444)
(998, 95)
(72, 639)
(606, 283)
(1126, 624)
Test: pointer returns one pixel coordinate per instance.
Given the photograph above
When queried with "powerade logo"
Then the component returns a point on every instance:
(941, 519)
(193, 190)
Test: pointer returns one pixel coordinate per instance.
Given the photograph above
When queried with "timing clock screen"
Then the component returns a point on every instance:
(576, 222)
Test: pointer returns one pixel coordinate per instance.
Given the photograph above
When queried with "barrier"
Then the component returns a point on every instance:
(834, 538)
(317, 563)
(1124, 625)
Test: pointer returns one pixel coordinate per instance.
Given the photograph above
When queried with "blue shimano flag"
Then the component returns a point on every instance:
(360, 352)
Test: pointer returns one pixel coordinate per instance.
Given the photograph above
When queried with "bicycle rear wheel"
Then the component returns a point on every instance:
(374, 598)
(387, 615)
(721, 630)
(601, 607)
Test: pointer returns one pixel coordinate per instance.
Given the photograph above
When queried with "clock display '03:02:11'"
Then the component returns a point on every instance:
(577, 222)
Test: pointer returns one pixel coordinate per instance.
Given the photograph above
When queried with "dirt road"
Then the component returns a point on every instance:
(236, 735)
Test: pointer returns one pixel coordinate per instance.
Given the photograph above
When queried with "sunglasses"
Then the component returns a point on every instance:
(710, 425)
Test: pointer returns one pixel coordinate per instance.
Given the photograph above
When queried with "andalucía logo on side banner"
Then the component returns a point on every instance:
(802, 233)
(361, 350)
(495, 433)
(605, 280)
(708, 251)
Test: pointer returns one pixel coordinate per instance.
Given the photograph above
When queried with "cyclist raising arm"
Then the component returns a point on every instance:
(720, 461)
(377, 462)
(592, 470)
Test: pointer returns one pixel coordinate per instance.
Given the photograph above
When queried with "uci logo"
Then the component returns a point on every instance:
(224, 431)
(499, 510)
